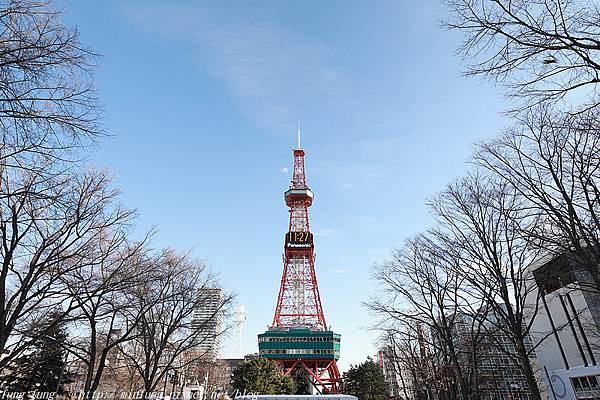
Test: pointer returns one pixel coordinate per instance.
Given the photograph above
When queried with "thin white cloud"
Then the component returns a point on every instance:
(284, 170)
(274, 73)
(340, 271)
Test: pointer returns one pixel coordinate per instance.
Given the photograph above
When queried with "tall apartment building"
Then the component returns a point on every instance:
(500, 375)
(208, 318)
(567, 327)
(423, 371)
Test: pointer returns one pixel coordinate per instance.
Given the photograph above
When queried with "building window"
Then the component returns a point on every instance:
(584, 385)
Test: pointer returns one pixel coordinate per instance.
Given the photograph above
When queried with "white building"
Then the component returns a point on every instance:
(566, 328)
(400, 383)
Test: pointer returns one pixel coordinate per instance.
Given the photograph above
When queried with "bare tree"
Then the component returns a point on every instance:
(106, 315)
(168, 338)
(50, 210)
(480, 220)
(553, 161)
(48, 227)
(213, 373)
(539, 49)
(414, 358)
(48, 106)
(421, 285)
(396, 347)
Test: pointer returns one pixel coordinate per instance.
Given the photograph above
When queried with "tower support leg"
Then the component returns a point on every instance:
(324, 375)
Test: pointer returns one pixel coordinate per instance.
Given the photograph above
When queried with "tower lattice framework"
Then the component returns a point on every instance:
(299, 301)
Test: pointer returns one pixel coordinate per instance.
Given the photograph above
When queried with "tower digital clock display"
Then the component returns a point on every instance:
(298, 239)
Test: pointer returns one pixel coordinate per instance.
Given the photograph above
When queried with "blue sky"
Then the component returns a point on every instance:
(203, 100)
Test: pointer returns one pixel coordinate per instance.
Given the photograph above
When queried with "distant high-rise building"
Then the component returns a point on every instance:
(207, 319)
(501, 373)
(400, 383)
(494, 356)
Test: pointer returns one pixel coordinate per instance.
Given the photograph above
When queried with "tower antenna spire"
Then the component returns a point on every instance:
(299, 134)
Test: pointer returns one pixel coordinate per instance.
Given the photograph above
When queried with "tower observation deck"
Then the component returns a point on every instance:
(299, 338)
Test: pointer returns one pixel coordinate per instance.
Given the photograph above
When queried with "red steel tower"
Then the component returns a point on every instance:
(299, 337)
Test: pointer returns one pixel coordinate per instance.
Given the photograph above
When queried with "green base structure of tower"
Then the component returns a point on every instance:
(315, 351)
(299, 343)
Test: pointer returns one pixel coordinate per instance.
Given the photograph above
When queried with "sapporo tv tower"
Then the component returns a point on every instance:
(299, 338)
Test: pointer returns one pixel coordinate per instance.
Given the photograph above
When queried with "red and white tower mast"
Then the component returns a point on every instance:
(299, 337)
(299, 301)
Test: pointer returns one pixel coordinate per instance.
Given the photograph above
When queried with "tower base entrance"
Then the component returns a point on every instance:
(324, 376)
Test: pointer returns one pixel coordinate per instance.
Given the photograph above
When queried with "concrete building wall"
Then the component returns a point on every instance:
(570, 334)
(565, 330)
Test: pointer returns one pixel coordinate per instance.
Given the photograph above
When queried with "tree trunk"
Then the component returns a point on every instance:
(527, 369)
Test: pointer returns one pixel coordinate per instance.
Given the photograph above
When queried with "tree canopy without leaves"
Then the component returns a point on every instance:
(53, 209)
(538, 49)
(103, 291)
(48, 229)
(533, 193)
(48, 106)
(167, 336)
(66, 246)
(480, 221)
(552, 160)
(466, 288)
(419, 286)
